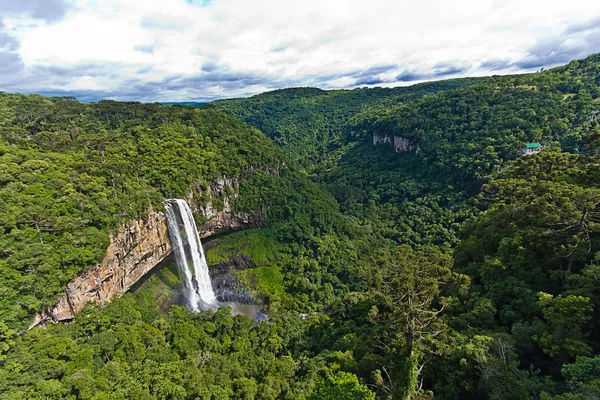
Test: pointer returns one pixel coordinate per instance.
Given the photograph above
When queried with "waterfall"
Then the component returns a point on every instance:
(197, 287)
(200, 266)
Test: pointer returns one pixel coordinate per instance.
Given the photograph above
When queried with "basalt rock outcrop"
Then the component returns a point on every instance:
(399, 143)
(213, 203)
(138, 246)
(134, 249)
(226, 283)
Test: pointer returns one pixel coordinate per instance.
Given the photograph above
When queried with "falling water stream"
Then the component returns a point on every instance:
(197, 286)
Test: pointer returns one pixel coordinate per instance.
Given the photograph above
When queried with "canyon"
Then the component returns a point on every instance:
(139, 245)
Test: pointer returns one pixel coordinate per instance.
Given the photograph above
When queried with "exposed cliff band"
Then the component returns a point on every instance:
(138, 246)
(399, 143)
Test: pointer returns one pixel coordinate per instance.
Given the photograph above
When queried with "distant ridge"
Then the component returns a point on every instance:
(184, 103)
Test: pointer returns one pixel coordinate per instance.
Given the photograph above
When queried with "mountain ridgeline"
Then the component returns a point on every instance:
(308, 123)
(405, 251)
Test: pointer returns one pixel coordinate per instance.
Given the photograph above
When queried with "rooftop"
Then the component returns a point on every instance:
(533, 145)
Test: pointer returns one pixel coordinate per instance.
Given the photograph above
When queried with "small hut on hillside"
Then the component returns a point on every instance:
(530, 148)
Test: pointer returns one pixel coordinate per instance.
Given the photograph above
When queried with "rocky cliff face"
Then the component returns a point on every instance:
(213, 203)
(399, 143)
(134, 250)
(140, 245)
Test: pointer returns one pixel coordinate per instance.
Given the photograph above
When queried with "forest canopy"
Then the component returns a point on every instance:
(407, 251)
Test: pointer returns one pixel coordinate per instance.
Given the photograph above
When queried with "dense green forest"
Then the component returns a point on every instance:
(465, 136)
(71, 172)
(457, 271)
(308, 123)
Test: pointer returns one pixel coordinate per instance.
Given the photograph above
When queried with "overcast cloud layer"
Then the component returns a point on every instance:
(198, 50)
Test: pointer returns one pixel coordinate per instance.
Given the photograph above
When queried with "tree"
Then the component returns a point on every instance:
(406, 288)
(341, 386)
(566, 322)
(500, 376)
(583, 376)
(6, 339)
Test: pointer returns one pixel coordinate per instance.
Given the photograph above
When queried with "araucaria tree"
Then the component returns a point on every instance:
(406, 290)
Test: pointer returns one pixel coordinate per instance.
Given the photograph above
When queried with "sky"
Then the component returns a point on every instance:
(201, 50)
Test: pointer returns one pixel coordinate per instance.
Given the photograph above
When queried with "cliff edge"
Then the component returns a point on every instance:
(139, 245)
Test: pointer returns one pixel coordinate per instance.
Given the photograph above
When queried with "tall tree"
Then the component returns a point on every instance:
(406, 288)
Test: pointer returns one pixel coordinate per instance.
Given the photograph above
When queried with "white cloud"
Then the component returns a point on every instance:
(239, 47)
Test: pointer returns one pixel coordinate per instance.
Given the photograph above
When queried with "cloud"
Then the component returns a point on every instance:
(374, 70)
(145, 48)
(201, 3)
(209, 67)
(446, 69)
(49, 10)
(410, 76)
(368, 81)
(9, 62)
(495, 64)
(374, 75)
(7, 42)
(549, 52)
(164, 22)
(576, 41)
(93, 83)
(281, 47)
(439, 70)
(593, 23)
(11, 66)
(150, 50)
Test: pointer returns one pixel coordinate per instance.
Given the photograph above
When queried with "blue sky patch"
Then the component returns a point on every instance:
(201, 3)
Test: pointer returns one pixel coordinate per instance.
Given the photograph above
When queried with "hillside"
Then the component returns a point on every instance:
(404, 251)
(465, 134)
(308, 123)
(71, 173)
(529, 239)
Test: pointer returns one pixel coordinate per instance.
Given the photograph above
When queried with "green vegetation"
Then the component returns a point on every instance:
(70, 173)
(518, 302)
(130, 349)
(160, 288)
(464, 136)
(531, 256)
(259, 244)
(308, 123)
(448, 269)
(263, 249)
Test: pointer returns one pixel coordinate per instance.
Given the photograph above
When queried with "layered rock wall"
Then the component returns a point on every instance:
(133, 251)
(399, 143)
(220, 219)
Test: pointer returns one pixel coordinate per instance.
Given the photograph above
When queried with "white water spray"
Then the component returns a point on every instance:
(197, 288)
